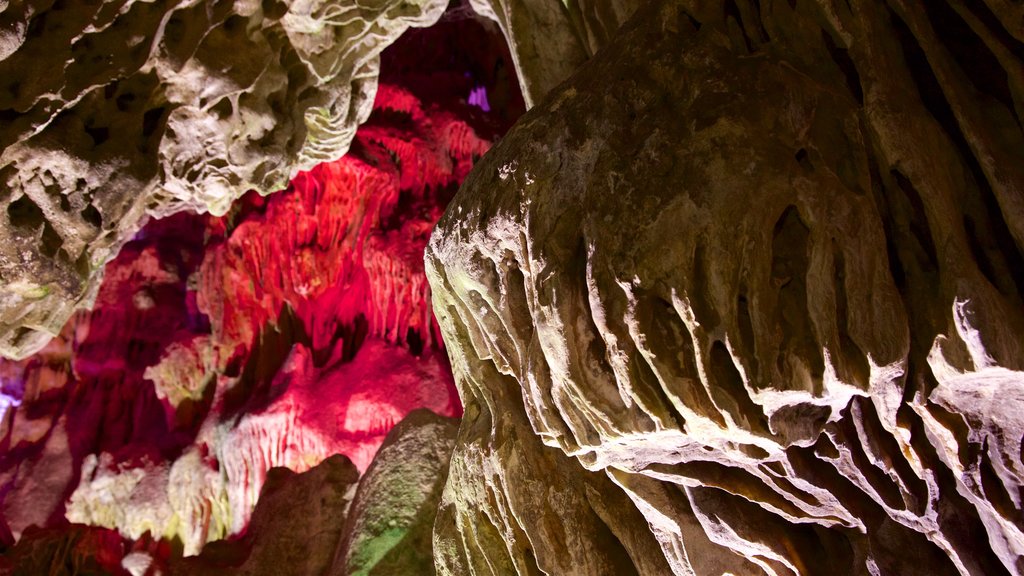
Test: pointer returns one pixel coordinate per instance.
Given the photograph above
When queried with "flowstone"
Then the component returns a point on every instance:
(756, 271)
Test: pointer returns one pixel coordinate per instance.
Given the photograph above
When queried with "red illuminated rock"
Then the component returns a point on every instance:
(296, 327)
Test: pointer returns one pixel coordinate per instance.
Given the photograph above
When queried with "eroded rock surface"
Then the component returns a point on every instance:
(114, 111)
(296, 327)
(391, 522)
(318, 522)
(549, 40)
(756, 270)
(294, 530)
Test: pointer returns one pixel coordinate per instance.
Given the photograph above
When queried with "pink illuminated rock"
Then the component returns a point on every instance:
(320, 332)
(294, 328)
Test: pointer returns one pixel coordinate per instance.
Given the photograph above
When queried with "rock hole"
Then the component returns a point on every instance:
(803, 160)
(672, 345)
(855, 364)
(274, 9)
(125, 102)
(728, 391)
(22, 335)
(23, 213)
(732, 12)
(234, 24)
(50, 241)
(82, 266)
(175, 30)
(995, 491)
(759, 18)
(700, 298)
(914, 209)
(884, 443)
(883, 485)
(825, 449)
(689, 17)
(746, 326)
(152, 120)
(841, 57)
(955, 424)
(99, 134)
(92, 216)
(223, 108)
(753, 451)
(414, 341)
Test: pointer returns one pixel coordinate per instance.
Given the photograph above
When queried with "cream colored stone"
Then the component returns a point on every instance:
(113, 112)
(744, 265)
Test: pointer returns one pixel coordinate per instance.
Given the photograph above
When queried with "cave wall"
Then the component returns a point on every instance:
(295, 327)
(756, 270)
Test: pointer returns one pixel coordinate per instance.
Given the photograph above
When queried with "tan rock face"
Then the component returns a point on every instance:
(549, 40)
(746, 291)
(114, 111)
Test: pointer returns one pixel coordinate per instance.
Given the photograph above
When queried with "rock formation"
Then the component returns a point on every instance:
(746, 292)
(114, 111)
(741, 294)
(293, 328)
(389, 528)
(317, 522)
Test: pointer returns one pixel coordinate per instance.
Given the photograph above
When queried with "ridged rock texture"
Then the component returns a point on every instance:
(323, 522)
(326, 520)
(744, 296)
(114, 111)
(296, 327)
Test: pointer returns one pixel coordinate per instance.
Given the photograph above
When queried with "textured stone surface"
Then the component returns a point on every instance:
(296, 327)
(325, 520)
(391, 521)
(114, 111)
(318, 522)
(295, 529)
(757, 269)
(549, 39)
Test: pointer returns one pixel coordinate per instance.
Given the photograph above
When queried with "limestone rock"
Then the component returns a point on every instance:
(391, 521)
(549, 40)
(114, 111)
(317, 522)
(294, 530)
(296, 327)
(756, 268)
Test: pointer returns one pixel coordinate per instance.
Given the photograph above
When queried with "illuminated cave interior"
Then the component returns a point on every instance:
(512, 287)
(296, 327)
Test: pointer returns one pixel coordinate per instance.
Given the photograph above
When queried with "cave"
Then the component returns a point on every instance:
(512, 287)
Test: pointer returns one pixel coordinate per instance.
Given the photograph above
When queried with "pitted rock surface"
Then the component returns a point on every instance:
(111, 112)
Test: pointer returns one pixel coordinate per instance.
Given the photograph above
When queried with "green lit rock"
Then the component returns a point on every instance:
(391, 521)
(328, 521)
